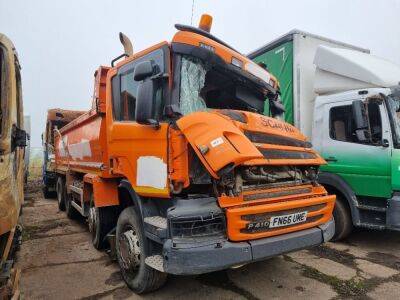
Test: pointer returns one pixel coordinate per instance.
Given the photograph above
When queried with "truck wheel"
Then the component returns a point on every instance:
(46, 193)
(72, 213)
(343, 220)
(132, 249)
(60, 185)
(101, 220)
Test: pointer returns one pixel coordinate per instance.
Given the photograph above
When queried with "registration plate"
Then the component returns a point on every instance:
(286, 220)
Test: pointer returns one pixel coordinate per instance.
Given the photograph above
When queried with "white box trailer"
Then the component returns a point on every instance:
(290, 58)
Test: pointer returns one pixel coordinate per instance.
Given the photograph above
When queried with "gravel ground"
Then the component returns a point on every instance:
(58, 262)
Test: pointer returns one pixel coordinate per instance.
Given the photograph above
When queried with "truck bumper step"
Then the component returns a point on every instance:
(156, 227)
(155, 262)
(156, 221)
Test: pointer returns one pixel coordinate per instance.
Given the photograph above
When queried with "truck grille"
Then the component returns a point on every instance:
(284, 154)
(265, 138)
(275, 194)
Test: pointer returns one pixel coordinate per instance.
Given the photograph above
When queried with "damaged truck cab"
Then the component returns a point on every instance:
(176, 167)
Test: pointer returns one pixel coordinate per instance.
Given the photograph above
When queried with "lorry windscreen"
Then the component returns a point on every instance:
(204, 87)
(393, 104)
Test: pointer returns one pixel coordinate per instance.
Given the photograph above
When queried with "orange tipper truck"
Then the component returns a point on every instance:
(177, 169)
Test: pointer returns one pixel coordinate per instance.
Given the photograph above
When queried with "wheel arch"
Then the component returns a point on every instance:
(127, 195)
(336, 185)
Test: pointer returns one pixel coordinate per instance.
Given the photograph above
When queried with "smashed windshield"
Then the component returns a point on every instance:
(205, 86)
(393, 103)
(193, 76)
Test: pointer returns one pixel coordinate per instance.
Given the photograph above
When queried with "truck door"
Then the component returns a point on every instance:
(139, 152)
(365, 166)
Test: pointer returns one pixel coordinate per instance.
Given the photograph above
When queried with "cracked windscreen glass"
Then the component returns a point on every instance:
(205, 87)
(193, 76)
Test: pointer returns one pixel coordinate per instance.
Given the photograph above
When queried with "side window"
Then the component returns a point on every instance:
(342, 127)
(128, 93)
(375, 123)
(341, 123)
(124, 87)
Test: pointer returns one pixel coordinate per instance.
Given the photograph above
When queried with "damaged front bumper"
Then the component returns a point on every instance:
(223, 254)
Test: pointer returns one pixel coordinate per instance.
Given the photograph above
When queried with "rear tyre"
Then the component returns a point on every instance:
(46, 193)
(343, 220)
(101, 220)
(72, 213)
(132, 249)
(60, 186)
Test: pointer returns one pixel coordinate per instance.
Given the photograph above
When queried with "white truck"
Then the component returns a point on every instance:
(347, 102)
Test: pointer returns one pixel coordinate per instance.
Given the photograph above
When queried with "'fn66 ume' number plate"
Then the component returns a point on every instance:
(286, 220)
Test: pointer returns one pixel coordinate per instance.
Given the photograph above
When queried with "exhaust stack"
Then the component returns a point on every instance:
(126, 42)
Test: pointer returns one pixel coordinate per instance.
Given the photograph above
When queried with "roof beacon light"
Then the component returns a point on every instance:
(205, 22)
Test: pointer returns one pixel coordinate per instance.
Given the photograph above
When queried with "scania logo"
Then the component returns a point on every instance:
(268, 122)
(257, 225)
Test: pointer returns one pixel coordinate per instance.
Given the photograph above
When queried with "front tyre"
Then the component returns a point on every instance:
(132, 249)
(343, 220)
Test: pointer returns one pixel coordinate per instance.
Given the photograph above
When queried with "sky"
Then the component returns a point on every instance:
(62, 43)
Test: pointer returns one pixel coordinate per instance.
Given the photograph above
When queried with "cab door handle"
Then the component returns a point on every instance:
(385, 143)
(331, 159)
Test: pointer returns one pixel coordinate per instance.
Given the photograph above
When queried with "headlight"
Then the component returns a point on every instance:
(236, 62)
(257, 71)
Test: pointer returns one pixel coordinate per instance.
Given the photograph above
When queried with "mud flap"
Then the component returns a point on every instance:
(393, 213)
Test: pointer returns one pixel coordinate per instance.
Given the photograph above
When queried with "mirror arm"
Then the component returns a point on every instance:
(154, 123)
(159, 76)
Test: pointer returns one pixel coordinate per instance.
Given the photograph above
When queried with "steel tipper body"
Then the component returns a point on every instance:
(56, 119)
(12, 143)
(177, 167)
(347, 102)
